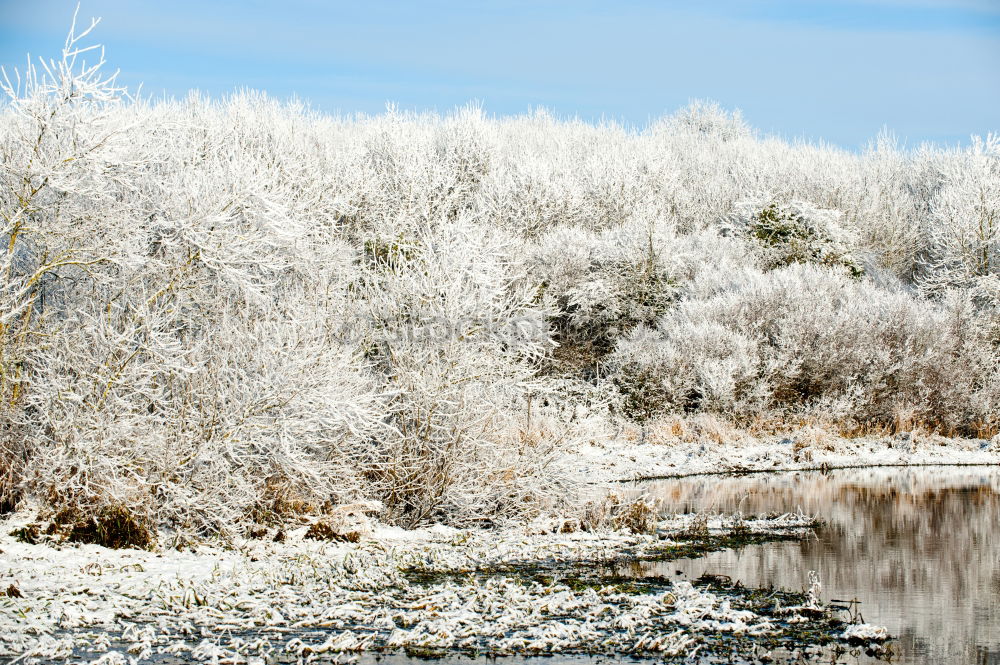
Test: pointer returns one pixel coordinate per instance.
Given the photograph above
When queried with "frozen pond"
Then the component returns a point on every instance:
(919, 547)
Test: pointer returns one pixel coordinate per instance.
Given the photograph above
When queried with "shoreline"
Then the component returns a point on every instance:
(619, 460)
(822, 469)
(431, 591)
(428, 592)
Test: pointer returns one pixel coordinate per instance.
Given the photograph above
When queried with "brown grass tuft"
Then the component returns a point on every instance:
(113, 526)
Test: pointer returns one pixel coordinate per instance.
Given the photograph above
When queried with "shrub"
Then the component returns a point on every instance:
(798, 233)
(598, 286)
(167, 344)
(805, 339)
(14, 461)
(707, 120)
(963, 228)
(451, 329)
(637, 515)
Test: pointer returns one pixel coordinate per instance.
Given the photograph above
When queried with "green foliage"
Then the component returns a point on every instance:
(790, 236)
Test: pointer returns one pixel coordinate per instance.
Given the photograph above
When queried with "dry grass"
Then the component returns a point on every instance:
(694, 428)
(113, 526)
(638, 515)
(282, 500)
(347, 523)
(807, 434)
(13, 462)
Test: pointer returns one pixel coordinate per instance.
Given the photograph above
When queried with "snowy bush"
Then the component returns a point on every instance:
(810, 340)
(452, 332)
(797, 232)
(963, 230)
(600, 285)
(705, 119)
(182, 361)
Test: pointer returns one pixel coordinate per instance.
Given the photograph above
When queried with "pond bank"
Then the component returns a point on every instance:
(660, 452)
(430, 592)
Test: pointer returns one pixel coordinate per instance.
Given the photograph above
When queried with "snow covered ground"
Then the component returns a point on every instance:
(628, 457)
(301, 599)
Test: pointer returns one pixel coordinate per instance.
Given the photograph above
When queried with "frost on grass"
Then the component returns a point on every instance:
(307, 599)
(222, 316)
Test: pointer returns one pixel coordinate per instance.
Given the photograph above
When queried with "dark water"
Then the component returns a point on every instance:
(919, 547)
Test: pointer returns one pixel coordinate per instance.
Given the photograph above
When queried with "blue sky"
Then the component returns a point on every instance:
(838, 71)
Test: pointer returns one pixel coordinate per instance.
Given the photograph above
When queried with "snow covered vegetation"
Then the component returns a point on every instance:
(219, 314)
(432, 592)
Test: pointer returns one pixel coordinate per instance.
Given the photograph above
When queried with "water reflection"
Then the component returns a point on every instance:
(919, 547)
